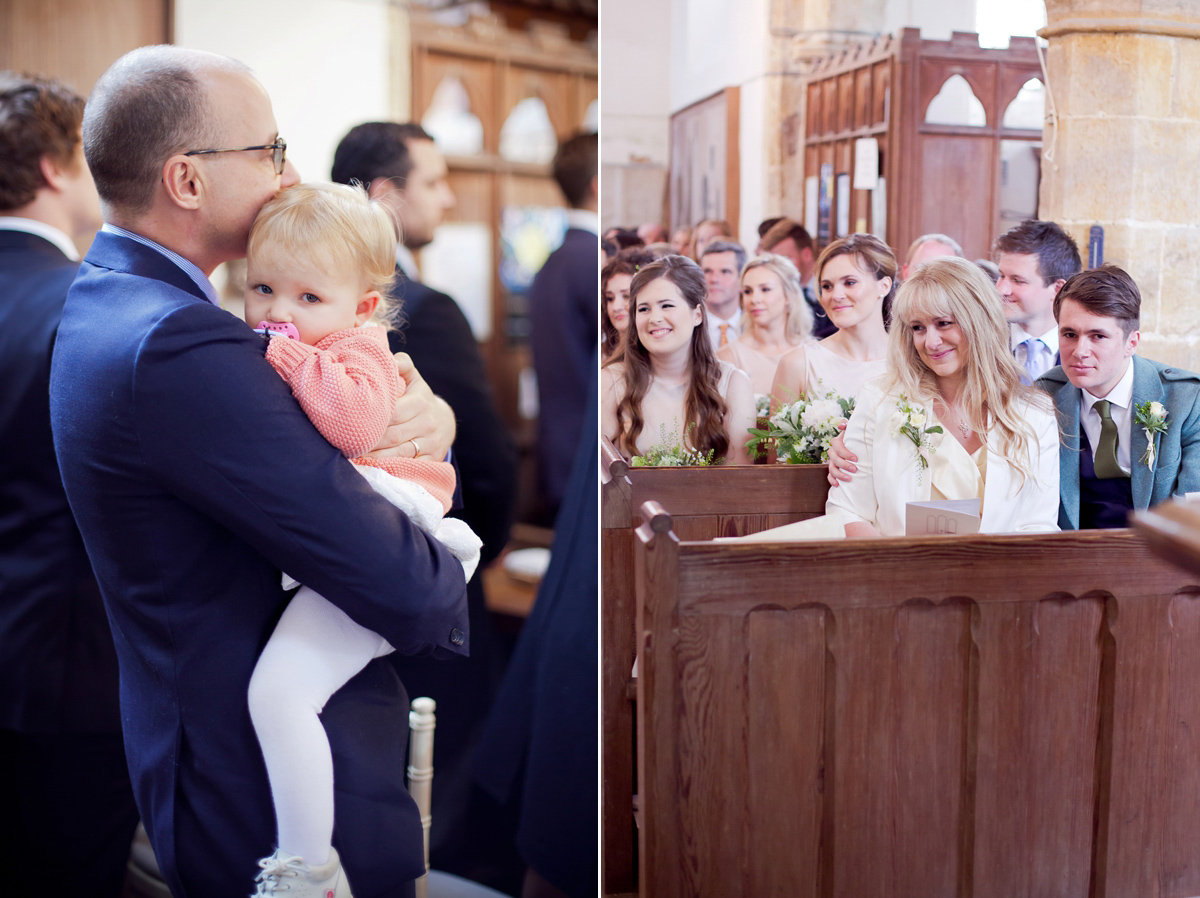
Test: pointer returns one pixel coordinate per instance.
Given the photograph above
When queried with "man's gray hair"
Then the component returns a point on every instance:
(932, 238)
(148, 106)
(726, 246)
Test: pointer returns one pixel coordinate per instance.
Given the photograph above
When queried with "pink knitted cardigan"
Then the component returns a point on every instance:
(347, 385)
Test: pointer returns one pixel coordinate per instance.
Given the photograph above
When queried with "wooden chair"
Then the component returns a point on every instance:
(943, 716)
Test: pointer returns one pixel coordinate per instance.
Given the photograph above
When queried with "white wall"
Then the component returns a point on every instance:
(715, 44)
(324, 63)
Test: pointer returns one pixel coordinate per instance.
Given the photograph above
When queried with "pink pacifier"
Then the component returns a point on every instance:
(281, 328)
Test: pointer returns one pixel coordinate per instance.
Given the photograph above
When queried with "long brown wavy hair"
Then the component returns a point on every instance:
(704, 409)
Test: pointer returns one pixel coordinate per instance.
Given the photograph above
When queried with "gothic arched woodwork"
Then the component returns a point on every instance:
(1011, 82)
(498, 67)
(982, 80)
(939, 178)
(475, 75)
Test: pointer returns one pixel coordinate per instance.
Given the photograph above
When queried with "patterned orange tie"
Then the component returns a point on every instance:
(724, 336)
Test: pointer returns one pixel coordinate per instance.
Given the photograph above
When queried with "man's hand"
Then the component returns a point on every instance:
(422, 424)
(841, 460)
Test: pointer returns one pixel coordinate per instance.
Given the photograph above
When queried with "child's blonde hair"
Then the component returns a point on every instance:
(338, 226)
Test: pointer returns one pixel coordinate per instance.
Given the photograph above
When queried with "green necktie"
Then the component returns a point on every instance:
(1106, 450)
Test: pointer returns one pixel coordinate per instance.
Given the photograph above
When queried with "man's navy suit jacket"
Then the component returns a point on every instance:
(58, 670)
(195, 478)
(564, 316)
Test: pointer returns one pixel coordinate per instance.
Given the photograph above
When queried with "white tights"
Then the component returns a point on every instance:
(315, 650)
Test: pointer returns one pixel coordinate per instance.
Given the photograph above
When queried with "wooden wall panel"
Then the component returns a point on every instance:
(76, 40)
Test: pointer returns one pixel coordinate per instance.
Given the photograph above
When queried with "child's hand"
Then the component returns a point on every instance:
(422, 424)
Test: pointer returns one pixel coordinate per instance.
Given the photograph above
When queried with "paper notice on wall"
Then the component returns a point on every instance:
(879, 210)
(843, 205)
(812, 203)
(866, 163)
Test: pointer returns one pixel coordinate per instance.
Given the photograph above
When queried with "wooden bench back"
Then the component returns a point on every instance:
(705, 502)
(980, 715)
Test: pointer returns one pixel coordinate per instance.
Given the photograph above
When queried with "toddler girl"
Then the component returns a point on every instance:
(320, 260)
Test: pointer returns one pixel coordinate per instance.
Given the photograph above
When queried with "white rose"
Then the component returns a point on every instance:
(1157, 410)
(917, 418)
(820, 413)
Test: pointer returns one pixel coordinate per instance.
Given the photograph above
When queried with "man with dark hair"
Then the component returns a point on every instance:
(564, 305)
(1035, 259)
(400, 165)
(789, 239)
(722, 262)
(1131, 426)
(65, 798)
(195, 478)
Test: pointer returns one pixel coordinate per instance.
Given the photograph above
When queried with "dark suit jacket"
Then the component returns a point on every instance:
(195, 478)
(436, 334)
(1177, 468)
(434, 331)
(564, 314)
(58, 669)
(541, 735)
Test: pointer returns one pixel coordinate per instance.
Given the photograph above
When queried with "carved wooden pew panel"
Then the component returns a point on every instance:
(983, 716)
(705, 503)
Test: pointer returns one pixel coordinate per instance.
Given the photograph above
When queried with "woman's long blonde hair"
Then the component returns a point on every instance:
(992, 390)
(798, 321)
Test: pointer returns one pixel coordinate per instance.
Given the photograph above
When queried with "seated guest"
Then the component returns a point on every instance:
(1107, 467)
(950, 420)
(789, 239)
(763, 227)
(722, 262)
(614, 288)
(926, 247)
(857, 275)
(668, 383)
(681, 240)
(652, 232)
(1035, 259)
(775, 319)
(705, 233)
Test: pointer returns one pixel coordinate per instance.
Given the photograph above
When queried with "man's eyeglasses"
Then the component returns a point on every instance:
(279, 157)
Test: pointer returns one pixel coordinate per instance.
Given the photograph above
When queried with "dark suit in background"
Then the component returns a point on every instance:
(539, 748)
(564, 315)
(435, 333)
(195, 478)
(66, 805)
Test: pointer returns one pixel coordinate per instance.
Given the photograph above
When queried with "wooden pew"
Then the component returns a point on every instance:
(944, 716)
(707, 502)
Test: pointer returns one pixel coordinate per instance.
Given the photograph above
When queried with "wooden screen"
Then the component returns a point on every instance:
(940, 178)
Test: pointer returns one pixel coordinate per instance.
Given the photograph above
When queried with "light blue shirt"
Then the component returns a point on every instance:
(201, 279)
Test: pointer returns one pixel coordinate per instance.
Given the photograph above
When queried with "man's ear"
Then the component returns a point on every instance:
(54, 174)
(1131, 344)
(366, 307)
(1058, 285)
(182, 181)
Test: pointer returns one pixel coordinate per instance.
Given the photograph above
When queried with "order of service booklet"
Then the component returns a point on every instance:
(941, 516)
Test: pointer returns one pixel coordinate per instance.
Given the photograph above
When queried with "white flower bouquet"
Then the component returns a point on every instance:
(803, 430)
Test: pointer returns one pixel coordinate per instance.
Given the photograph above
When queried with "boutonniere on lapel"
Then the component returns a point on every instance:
(911, 424)
(1153, 418)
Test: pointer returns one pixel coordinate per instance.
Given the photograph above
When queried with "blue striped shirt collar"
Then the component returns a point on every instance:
(183, 264)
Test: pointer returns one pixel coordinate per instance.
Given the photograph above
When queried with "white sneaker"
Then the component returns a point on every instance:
(284, 874)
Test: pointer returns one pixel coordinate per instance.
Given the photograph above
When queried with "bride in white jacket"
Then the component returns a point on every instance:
(949, 420)
(950, 368)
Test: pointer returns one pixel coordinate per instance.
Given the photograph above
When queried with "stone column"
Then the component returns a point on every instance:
(1122, 150)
